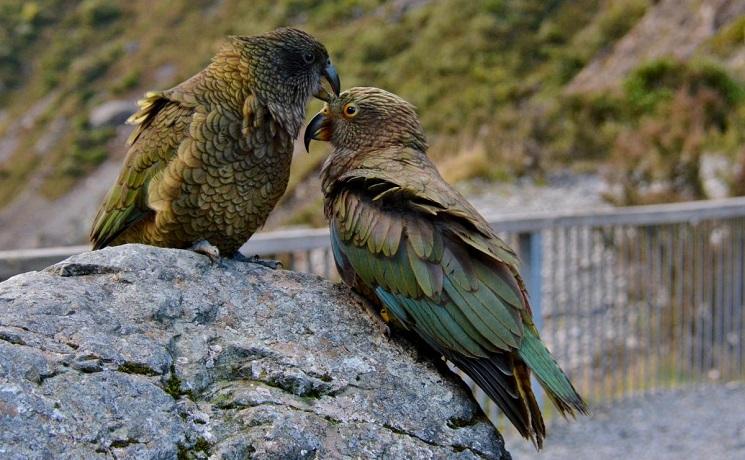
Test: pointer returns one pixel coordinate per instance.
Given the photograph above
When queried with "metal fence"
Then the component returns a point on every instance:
(629, 300)
(644, 298)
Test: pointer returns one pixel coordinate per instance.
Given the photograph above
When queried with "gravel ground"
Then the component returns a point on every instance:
(562, 191)
(706, 422)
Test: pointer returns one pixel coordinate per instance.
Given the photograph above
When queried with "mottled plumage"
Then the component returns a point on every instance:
(404, 238)
(210, 157)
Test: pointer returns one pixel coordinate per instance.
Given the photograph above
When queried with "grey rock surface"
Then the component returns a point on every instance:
(139, 352)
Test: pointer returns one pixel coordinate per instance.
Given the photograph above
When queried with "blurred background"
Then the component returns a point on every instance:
(532, 108)
(609, 102)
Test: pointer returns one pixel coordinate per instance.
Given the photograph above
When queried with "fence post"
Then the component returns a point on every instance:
(530, 251)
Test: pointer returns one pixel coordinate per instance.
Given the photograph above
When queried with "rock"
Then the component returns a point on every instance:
(716, 173)
(165, 74)
(670, 29)
(140, 352)
(13, 134)
(51, 135)
(111, 113)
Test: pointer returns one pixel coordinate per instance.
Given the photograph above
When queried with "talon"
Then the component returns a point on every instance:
(272, 264)
(386, 316)
(239, 257)
(380, 318)
(205, 248)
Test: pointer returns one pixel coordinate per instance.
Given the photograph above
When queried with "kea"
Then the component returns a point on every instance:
(209, 159)
(406, 240)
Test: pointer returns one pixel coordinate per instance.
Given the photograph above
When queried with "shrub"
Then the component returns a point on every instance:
(97, 13)
(88, 150)
(659, 160)
(656, 81)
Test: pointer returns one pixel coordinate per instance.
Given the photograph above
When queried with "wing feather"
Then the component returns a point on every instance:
(151, 150)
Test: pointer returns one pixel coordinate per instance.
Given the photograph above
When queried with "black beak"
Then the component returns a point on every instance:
(318, 129)
(332, 77)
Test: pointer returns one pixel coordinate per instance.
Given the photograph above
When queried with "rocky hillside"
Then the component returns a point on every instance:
(138, 352)
(680, 29)
(505, 88)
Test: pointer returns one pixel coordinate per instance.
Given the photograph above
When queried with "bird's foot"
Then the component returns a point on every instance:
(379, 319)
(385, 330)
(383, 321)
(204, 247)
(272, 264)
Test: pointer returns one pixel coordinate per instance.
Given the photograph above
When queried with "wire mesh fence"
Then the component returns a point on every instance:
(631, 309)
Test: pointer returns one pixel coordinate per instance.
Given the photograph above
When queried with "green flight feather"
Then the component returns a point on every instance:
(380, 225)
(470, 330)
(428, 276)
(459, 268)
(431, 320)
(508, 317)
(488, 329)
(406, 282)
(549, 375)
(493, 246)
(421, 236)
(393, 236)
(501, 281)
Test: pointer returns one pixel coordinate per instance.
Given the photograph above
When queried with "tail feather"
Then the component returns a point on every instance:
(505, 378)
(510, 391)
(553, 380)
(536, 418)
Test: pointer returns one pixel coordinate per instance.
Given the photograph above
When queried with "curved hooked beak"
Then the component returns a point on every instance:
(318, 129)
(332, 78)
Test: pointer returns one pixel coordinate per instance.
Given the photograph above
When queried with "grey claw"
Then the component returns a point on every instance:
(204, 247)
(272, 264)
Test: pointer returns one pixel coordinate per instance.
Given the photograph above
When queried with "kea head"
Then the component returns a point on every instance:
(286, 67)
(366, 118)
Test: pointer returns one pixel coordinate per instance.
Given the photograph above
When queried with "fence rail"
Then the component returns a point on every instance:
(628, 299)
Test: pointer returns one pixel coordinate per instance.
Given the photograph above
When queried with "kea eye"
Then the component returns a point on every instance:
(308, 58)
(350, 110)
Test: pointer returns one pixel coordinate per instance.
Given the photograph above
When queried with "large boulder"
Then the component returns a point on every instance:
(140, 352)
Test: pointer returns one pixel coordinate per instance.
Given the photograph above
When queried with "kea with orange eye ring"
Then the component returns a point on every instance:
(411, 244)
(209, 159)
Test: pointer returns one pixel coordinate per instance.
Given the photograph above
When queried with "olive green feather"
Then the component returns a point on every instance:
(210, 158)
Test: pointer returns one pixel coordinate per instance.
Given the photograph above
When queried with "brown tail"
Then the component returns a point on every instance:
(506, 381)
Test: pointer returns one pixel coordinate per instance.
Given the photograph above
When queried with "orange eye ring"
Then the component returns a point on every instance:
(350, 110)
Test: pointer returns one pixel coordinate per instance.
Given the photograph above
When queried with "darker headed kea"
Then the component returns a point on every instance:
(416, 248)
(210, 157)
